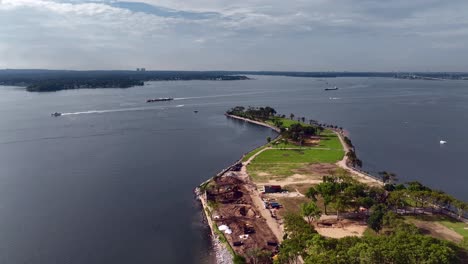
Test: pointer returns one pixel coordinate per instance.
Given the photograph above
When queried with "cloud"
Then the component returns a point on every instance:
(254, 34)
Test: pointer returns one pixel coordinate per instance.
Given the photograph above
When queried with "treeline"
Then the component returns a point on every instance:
(297, 132)
(415, 195)
(254, 113)
(45, 80)
(401, 244)
(395, 241)
(63, 84)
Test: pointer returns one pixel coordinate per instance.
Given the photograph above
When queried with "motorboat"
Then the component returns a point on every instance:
(56, 114)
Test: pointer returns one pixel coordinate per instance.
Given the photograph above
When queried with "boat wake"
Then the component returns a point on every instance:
(116, 110)
(221, 95)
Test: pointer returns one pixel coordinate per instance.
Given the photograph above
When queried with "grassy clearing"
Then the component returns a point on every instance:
(292, 204)
(330, 140)
(450, 223)
(286, 122)
(300, 187)
(277, 164)
(271, 171)
(253, 152)
(287, 144)
(299, 156)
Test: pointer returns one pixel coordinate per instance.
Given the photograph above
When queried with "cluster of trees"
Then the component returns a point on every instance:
(415, 195)
(396, 241)
(254, 113)
(353, 160)
(401, 244)
(66, 84)
(344, 193)
(298, 133)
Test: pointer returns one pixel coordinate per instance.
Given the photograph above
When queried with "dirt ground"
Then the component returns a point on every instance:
(328, 226)
(437, 230)
(234, 208)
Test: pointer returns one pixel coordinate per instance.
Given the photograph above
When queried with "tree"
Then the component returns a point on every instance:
(388, 177)
(328, 190)
(375, 220)
(303, 119)
(291, 116)
(312, 194)
(311, 211)
(461, 207)
(396, 199)
(340, 204)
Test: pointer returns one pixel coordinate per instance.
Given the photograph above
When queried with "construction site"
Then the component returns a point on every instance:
(235, 214)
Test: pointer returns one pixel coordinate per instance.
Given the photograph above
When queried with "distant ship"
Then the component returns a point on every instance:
(159, 100)
(331, 89)
(56, 114)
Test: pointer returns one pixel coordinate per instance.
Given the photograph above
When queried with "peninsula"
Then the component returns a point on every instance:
(56, 80)
(302, 198)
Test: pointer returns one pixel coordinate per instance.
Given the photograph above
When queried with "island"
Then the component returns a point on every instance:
(302, 198)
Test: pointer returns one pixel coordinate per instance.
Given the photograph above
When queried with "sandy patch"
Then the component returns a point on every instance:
(329, 226)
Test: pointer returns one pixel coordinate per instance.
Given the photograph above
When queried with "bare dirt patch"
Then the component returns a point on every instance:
(319, 169)
(334, 228)
(437, 230)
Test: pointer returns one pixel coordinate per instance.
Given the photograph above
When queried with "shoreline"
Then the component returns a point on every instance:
(342, 163)
(222, 248)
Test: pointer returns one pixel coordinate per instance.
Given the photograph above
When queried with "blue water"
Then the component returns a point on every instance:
(111, 181)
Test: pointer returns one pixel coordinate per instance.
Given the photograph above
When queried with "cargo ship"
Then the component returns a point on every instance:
(159, 100)
(331, 89)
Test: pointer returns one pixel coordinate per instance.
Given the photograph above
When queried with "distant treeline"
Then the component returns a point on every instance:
(51, 80)
(54, 80)
(406, 75)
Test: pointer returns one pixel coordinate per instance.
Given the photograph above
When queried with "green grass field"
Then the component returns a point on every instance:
(299, 156)
(280, 164)
(253, 152)
(286, 122)
(330, 140)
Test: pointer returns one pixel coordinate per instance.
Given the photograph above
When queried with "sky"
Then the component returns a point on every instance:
(276, 35)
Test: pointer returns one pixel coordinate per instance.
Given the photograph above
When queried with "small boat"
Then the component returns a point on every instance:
(196, 111)
(159, 100)
(56, 114)
(331, 89)
(443, 142)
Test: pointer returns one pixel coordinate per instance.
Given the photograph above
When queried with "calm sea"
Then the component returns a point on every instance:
(111, 181)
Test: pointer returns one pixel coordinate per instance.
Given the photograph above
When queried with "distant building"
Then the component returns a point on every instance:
(141, 69)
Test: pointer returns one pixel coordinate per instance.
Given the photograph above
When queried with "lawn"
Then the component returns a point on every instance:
(279, 163)
(330, 140)
(292, 204)
(253, 152)
(286, 122)
(309, 155)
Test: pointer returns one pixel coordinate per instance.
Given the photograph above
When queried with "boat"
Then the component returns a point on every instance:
(443, 142)
(331, 89)
(56, 114)
(159, 100)
(196, 111)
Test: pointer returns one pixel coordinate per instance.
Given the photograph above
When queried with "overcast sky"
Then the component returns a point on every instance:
(293, 35)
